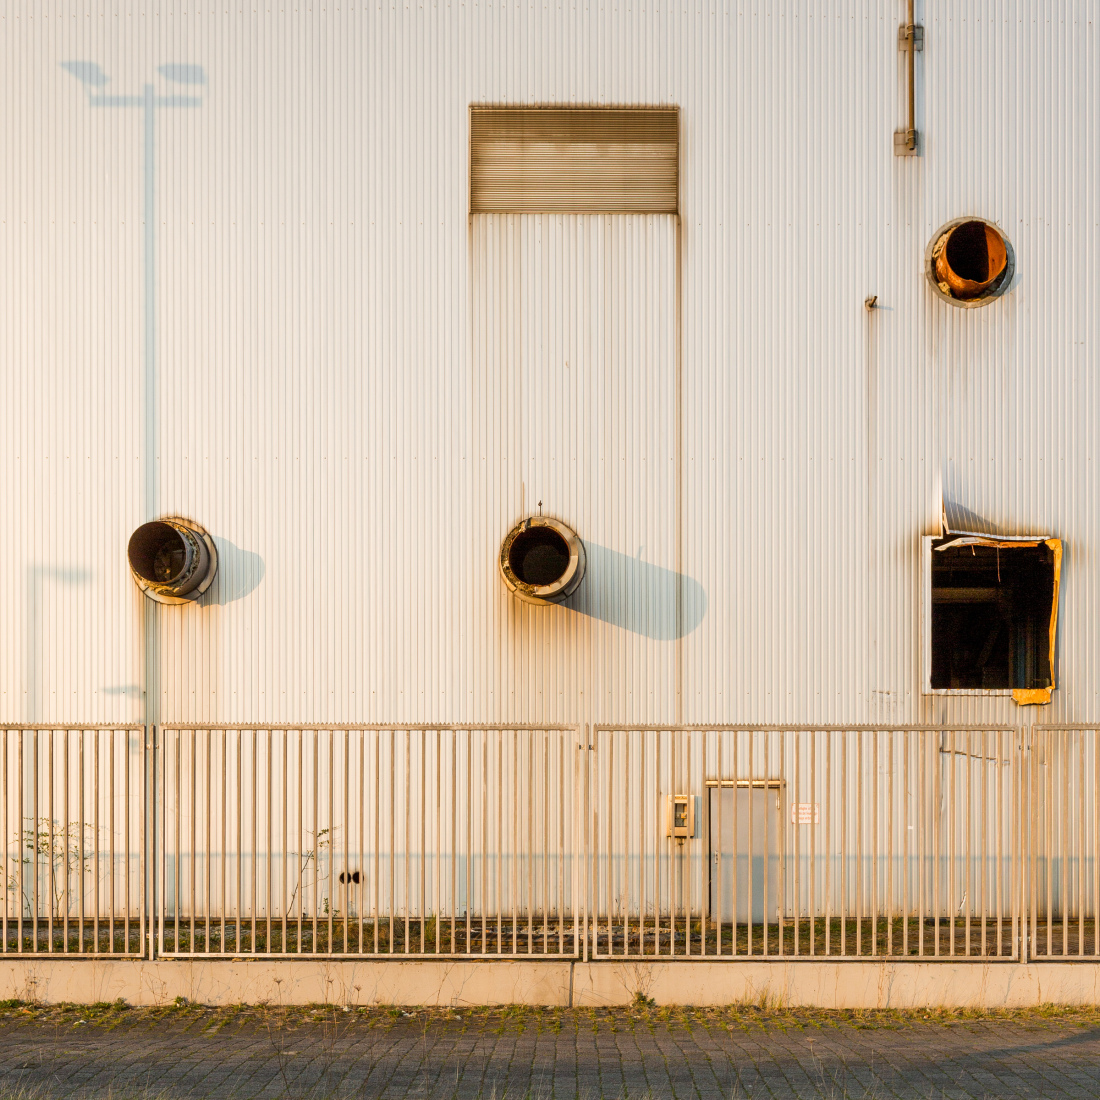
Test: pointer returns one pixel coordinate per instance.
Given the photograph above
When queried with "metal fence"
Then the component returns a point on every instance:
(379, 841)
(72, 810)
(1064, 842)
(803, 842)
(459, 841)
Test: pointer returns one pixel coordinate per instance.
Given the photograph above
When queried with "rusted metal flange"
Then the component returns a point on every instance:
(172, 559)
(542, 560)
(969, 262)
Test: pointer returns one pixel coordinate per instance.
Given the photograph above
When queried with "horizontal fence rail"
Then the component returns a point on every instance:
(72, 810)
(803, 842)
(366, 841)
(1064, 826)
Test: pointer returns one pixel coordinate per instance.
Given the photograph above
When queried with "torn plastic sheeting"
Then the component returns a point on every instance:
(994, 541)
(957, 519)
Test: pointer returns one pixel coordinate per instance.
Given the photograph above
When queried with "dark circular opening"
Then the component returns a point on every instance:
(539, 556)
(157, 553)
(968, 251)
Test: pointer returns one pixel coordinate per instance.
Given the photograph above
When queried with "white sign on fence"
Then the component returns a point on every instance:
(805, 813)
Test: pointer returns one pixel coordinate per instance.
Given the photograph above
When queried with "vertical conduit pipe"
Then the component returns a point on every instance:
(910, 39)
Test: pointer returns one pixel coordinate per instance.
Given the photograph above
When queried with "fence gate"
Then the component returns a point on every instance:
(366, 841)
(801, 842)
(72, 811)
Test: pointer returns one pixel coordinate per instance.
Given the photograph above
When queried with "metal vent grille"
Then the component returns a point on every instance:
(539, 159)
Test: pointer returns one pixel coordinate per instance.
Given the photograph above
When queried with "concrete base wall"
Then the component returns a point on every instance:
(817, 984)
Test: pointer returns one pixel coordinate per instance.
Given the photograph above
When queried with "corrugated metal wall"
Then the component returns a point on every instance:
(358, 388)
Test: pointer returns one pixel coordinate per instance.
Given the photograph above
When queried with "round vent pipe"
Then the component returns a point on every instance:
(970, 262)
(542, 560)
(173, 560)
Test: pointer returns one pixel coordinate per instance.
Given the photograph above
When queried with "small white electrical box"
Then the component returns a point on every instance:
(681, 816)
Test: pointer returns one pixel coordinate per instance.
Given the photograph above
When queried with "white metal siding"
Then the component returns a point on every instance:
(359, 387)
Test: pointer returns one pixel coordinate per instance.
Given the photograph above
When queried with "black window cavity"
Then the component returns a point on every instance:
(992, 614)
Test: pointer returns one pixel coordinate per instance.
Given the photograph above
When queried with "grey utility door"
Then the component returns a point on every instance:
(745, 834)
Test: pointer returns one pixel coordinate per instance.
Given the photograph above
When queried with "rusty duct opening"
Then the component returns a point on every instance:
(173, 560)
(993, 614)
(542, 560)
(539, 555)
(970, 261)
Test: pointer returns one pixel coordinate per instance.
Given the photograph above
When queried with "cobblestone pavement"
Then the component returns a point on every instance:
(189, 1052)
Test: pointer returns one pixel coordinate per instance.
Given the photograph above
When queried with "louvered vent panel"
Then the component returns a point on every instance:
(545, 159)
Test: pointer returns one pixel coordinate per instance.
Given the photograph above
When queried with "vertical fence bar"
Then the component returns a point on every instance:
(484, 846)
(454, 836)
(97, 850)
(796, 829)
(193, 846)
(905, 798)
(1036, 794)
(1095, 844)
(1048, 839)
(51, 846)
(5, 812)
(827, 813)
(989, 767)
(67, 812)
(860, 868)
(363, 858)
(498, 876)
(406, 750)
(845, 854)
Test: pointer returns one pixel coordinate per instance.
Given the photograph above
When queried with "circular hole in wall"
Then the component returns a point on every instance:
(542, 560)
(970, 262)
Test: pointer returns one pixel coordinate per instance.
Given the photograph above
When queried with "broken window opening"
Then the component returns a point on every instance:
(993, 614)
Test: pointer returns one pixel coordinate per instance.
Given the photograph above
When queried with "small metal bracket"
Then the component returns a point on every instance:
(906, 143)
(911, 33)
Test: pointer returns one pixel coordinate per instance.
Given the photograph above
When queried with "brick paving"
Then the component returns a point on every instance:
(74, 1052)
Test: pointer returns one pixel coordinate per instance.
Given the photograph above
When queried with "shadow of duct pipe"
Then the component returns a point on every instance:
(240, 573)
(638, 596)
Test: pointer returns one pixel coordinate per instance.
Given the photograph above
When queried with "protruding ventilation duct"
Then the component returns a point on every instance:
(970, 262)
(173, 560)
(542, 560)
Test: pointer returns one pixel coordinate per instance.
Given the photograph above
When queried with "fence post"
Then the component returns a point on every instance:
(1025, 797)
(149, 814)
(586, 858)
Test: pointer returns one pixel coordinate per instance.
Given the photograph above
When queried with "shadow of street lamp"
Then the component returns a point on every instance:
(94, 79)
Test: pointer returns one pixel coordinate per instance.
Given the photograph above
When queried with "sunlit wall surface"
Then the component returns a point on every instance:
(239, 283)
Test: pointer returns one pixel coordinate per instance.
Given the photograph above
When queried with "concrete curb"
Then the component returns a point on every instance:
(841, 985)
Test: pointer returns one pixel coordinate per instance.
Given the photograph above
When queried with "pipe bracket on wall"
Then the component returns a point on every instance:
(910, 40)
